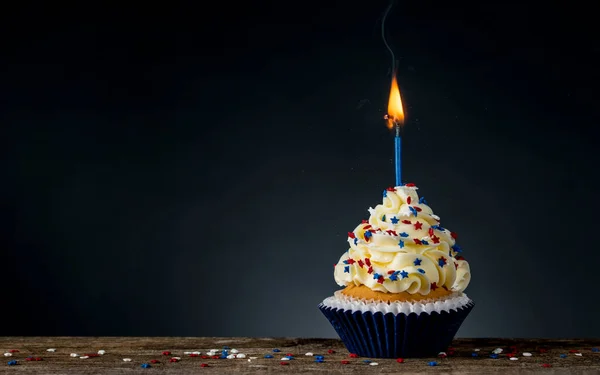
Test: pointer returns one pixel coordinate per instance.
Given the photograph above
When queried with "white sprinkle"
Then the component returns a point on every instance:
(442, 353)
(578, 354)
(249, 360)
(187, 353)
(240, 355)
(84, 357)
(215, 350)
(231, 356)
(177, 358)
(514, 358)
(126, 359)
(8, 354)
(526, 354)
(285, 358)
(74, 355)
(373, 364)
(234, 351)
(498, 351)
(198, 353)
(253, 357)
(476, 350)
(101, 351)
(309, 354)
(51, 350)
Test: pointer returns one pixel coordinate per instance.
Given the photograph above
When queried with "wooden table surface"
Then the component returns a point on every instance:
(470, 356)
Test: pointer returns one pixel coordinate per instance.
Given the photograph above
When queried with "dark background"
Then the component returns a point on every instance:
(181, 171)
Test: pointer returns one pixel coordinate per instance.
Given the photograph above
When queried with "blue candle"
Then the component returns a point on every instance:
(398, 156)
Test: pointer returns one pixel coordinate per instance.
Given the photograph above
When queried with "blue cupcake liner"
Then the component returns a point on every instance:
(379, 335)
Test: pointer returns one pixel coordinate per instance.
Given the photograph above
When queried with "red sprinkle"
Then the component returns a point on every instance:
(351, 235)
(350, 261)
(542, 350)
(410, 184)
(13, 351)
(367, 227)
(213, 357)
(370, 270)
(417, 241)
(406, 222)
(391, 272)
(368, 262)
(380, 279)
(442, 355)
(93, 355)
(360, 263)
(353, 355)
(418, 225)
(284, 363)
(573, 351)
(166, 353)
(204, 365)
(450, 352)
(173, 360)
(408, 200)
(154, 361)
(30, 359)
(430, 231)
(194, 355)
(400, 360)
(39, 358)
(391, 188)
(546, 365)
(345, 362)
(289, 355)
(331, 351)
(418, 209)
(364, 222)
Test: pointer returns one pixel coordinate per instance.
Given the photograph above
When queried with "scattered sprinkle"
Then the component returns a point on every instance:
(595, 350)
(546, 365)
(126, 359)
(373, 364)
(155, 361)
(12, 363)
(268, 356)
(285, 358)
(432, 363)
(74, 355)
(234, 351)
(309, 354)
(526, 354)
(442, 354)
(474, 354)
(573, 351)
(253, 357)
(497, 351)
(400, 360)
(187, 353)
(514, 358)
(563, 356)
(276, 350)
(240, 355)
(476, 350)
(231, 356)
(204, 365)
(52, 350)
(173, 360)
(353, 355)
(166, 352)
(319, 357)
(579, 354)
(84, 357)
(345, 362)
(494, 355)
(319, 360)
(101, 352)
(331, 351)
(367, 361)
(177, 358)
(8, 354)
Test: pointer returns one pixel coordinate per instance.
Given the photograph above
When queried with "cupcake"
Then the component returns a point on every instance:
(404, 279)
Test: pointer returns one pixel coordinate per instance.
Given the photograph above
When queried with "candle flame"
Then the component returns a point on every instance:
(395, 114)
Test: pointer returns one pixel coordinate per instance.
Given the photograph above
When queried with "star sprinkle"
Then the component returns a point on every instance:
(401, 244)
(442, 262)
(418, 225)
(368, 235)
(347, 269)
(404, 274)
(385, 193)
(456, 248)
(435, 239)
(394, 220)
(417, 262)
(434, 286)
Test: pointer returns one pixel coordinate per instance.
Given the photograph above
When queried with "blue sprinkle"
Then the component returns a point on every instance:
(319, 357)
(355, 241)
(385, 193)
(145, 365)
(421, 270)
(424, 242)
(457, 248)
(417, 262)
(276, 350)
(269, 356)
(345, 262)
(347, 269)
(368, 234)
(12, 363)
(412, 209)
(494, 355)
(401, 244)
(563, 356)
(595, 350)
(403, 234)
(319, 360)
(383, 218)
(432, 363)
(376, 276)
(422, 200)
(404, 274)
(474, 354)
(223, 356)
(224, 352)
(394, 220)
(289, 357)
(394, 277)
(367, 361)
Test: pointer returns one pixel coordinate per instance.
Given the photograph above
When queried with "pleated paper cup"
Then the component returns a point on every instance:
(398, 329)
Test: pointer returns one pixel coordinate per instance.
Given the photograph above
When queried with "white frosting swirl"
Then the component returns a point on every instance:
(403, 248)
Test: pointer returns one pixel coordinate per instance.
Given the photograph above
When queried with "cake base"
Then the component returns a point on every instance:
(365, 293)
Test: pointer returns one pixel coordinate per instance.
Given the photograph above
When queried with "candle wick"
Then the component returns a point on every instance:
(397, 130)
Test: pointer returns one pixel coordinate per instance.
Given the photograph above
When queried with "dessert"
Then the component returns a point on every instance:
(404, 279)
